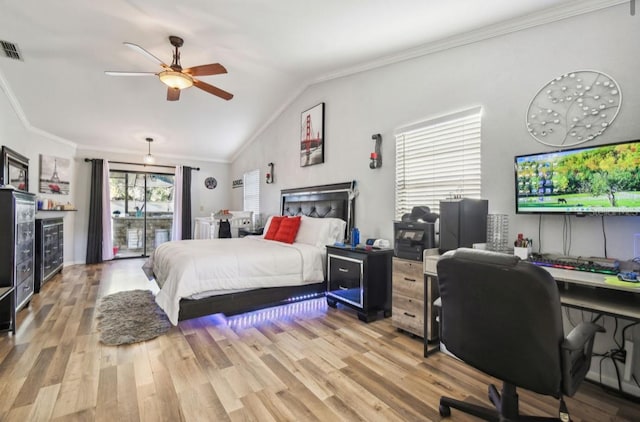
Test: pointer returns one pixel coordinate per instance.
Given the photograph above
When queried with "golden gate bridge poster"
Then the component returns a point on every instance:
(312, 136)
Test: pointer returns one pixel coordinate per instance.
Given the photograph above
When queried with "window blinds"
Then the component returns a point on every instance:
(251, 191)
(438, 159)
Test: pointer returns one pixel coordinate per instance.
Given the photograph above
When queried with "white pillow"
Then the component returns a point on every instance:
(320, 231)
(337, 230)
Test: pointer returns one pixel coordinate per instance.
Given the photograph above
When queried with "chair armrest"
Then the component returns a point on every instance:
(580, 335)
(577, 349)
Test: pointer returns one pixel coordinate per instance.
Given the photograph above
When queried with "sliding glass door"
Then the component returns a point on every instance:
(142, 211)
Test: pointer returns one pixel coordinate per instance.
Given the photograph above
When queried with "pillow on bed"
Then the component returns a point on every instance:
(288, 229)
(273, 225)
(321, 231)
(336, 231)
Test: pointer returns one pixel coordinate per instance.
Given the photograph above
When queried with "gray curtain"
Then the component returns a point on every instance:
(186, 202)
(94, 234)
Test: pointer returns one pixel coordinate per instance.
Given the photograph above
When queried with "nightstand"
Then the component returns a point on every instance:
(360, 279)
(249, 232)
(408, 296)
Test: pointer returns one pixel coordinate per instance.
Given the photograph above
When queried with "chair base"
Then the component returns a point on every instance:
(506, 407)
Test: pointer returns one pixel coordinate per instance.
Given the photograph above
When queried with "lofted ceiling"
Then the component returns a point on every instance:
(272, 50)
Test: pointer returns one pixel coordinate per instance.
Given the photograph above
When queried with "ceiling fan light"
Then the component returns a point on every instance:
(175, 79)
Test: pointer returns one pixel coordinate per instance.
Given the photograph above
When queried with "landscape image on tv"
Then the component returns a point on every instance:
(594, 180)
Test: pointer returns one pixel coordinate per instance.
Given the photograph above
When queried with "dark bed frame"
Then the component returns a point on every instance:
(335, 200)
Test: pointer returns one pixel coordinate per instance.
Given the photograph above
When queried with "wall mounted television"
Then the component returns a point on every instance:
(594, 180)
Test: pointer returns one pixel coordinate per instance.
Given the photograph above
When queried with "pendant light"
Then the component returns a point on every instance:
(149, 159)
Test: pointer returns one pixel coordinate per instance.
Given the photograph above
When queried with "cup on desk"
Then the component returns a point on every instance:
(522, 252)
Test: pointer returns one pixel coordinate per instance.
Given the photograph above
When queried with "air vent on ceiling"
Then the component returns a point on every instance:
(10, 50)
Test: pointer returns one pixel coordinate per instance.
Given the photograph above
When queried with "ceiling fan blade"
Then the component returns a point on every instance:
(206, 70)
(173, 94)
(212, 90)
(150, 56)
(119, 73)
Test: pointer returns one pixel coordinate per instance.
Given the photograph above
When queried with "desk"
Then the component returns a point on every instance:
(207, 227)
(588, 291)
(578, 289)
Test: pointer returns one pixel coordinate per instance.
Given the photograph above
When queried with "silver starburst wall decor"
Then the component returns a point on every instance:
(574, 108)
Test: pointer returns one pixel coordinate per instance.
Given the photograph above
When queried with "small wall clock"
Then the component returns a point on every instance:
(210, 182)
(573, 108)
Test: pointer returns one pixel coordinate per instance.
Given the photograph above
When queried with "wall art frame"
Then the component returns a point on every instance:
(312, 140)
(14, 169)
(55, 175)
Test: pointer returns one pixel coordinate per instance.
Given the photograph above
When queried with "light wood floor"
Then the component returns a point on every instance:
(318, 364)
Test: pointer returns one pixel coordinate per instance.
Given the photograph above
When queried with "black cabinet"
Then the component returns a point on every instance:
(7, 309)
(360, 279)
(49, 249)
(17, 225)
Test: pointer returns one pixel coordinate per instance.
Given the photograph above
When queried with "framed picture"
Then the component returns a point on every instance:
(55, 173)
(15, 169)
(312, 136)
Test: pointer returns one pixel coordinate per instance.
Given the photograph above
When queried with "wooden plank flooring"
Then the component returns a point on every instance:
(306, 362)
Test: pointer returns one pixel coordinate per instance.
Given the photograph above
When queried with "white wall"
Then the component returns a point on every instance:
(204, 200)
(19, 136)
(501, 75)
(15, 135)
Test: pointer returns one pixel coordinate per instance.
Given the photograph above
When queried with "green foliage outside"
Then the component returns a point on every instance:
(132, 188)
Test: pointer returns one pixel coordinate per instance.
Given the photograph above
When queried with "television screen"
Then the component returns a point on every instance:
(596, 180)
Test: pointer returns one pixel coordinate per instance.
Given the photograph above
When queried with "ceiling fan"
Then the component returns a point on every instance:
(177, 78)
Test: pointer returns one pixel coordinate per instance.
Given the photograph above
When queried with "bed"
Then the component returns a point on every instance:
(232, 276)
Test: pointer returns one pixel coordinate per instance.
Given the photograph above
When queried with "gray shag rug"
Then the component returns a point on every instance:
(130, 317)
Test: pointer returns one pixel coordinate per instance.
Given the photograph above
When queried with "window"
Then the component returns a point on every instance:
(251, 191)
(142, 211)
(438, 159)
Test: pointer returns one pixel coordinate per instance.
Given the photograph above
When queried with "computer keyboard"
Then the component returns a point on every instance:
(603, 266)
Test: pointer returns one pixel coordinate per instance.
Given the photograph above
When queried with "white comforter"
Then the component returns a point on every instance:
(198, 268)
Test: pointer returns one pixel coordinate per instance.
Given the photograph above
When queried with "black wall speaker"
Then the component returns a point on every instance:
(463, 222)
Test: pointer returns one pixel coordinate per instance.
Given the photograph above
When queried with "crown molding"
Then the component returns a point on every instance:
(172, 157)
(554, 14)
(17, 108)
(543, 17)
(301, 88)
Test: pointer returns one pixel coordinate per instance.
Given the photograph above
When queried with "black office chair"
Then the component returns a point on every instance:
(502, 316)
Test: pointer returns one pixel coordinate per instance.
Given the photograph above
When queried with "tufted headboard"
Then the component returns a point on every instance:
(335, 200)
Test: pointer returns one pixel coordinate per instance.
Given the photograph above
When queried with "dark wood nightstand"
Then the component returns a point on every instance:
(242, 232)
(361, 279)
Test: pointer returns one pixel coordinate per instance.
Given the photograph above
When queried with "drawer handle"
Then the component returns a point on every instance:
(343, 270)
(26, 288)
(413, 280)
(343, 288)
(410, 315)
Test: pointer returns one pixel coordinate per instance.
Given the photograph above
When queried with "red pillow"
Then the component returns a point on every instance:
(288, 230)
(273, 227)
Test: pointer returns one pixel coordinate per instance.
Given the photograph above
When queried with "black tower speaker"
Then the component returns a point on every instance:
(463, 222)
